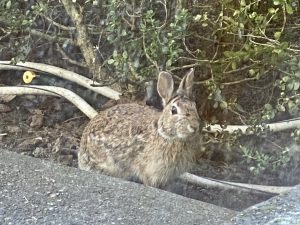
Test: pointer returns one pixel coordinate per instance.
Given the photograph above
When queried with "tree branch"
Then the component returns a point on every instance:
(209, 182)
(63, 73)
(80, 103)
(246, 129)
(83, 41)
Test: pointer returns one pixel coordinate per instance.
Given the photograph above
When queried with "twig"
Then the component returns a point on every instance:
(202, 181)
(240, 81)
(238, 70)
(284, 17)
(63, 73)
(50, 90)
(6, 35)
(62, 27)
(166, 14)
(50, 37)
(147, 55)
(71, 119)
(65, 56)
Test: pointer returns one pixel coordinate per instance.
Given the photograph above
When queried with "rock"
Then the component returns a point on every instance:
(40, 152)
(4, 108)
(13, 129)
(29, 144)
(66, 160)
(37, 119)
(6, 98)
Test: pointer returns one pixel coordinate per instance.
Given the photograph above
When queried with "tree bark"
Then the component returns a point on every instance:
(83, 41)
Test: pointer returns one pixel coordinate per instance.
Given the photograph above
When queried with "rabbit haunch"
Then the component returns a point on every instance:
(132, 140)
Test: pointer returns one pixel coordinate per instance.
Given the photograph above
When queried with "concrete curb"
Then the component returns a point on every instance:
(281, 210)
(33, 191)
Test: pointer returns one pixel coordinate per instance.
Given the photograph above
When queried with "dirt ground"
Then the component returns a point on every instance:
(50, 128)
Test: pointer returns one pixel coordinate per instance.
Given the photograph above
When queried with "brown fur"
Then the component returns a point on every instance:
(132, 140)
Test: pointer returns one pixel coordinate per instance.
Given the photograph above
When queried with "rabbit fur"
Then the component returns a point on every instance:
(135, 141)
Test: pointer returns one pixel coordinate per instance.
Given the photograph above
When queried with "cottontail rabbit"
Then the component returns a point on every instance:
(135, 141)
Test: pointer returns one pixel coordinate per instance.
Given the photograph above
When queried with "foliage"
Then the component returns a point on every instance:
(258, 162)
(15, 20)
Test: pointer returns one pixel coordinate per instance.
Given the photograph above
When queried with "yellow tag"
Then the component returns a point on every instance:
(28, 76)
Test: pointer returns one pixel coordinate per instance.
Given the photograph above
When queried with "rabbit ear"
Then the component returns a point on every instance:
(165, 86)
(186, 84)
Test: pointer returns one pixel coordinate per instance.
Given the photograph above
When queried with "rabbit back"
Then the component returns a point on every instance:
(113, 140)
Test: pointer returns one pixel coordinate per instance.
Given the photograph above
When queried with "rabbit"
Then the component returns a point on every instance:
(132, 141)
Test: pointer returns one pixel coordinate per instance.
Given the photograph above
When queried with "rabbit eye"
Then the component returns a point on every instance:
(174, 110)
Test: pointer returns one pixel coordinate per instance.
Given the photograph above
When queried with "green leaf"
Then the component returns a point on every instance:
(110, 61)
(291, 105)
(268, 107)
(252, 72)
(165, 49)
(123, 33)
(276, 2)
(297, 74)
(169, 63)
(277, 35)
(228, 54)
(236, 12)
(233, 65)
(223, 105)
(111, 37)
(198, 17)
(280, 108)
(296, 85)
(8, 4)
(289, 9)
(136, 63)
(216, 105)
(125, 55)
(115, 53)
(285, 78)
(290, 85)
(271, 10)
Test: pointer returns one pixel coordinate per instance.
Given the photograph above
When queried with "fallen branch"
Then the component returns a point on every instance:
(80, 103)
(63, 73)
(246, 129)
(209, 182)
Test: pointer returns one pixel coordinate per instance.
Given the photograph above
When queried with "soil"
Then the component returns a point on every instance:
(50, 128)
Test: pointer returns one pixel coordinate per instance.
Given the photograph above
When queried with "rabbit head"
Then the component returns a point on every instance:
(179, 119)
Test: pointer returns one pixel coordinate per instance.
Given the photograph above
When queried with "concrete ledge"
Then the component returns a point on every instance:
(280, 210)
(33, 191)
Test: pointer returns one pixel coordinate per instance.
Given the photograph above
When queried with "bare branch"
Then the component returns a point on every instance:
(202, 181)
(50, 90)
(63, 73)
(246, 129)
(65, 56)
(49, 37)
